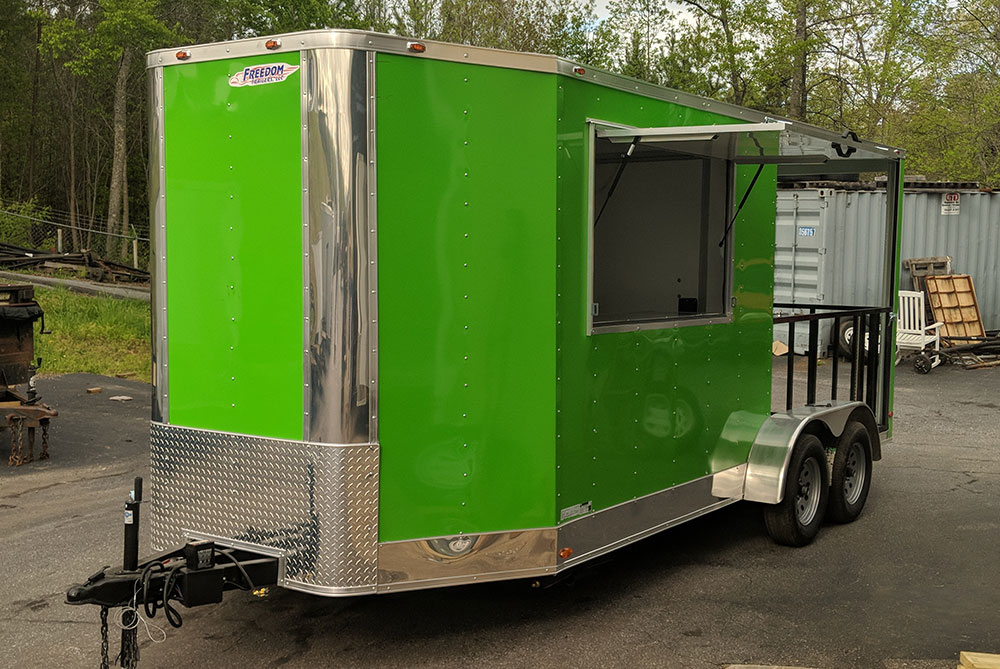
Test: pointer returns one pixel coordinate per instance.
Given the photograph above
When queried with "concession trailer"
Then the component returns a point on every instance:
(427, 314)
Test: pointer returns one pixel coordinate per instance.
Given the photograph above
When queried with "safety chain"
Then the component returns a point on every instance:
(105, 663)
(16, 446)
(45, 440)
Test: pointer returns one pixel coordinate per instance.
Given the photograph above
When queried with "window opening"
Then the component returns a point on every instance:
(653, 259)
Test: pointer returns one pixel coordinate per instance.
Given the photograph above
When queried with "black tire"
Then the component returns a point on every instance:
(796, 520)
(922, 363)
(852, 474)
(844, 338)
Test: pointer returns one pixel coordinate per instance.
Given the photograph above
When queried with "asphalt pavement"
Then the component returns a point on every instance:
(910, 584)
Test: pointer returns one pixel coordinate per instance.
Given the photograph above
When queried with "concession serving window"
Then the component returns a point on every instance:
(663, 203)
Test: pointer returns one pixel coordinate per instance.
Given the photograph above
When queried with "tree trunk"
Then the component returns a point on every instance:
(34, 113)
(118, 158)
(125, 236)
(72, 204)
(797, 95)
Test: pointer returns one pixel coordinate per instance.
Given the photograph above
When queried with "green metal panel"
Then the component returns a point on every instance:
(642, 411)
(234, 249)
(466, 238)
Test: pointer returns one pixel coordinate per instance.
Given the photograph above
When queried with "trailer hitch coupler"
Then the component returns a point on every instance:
(130, 560)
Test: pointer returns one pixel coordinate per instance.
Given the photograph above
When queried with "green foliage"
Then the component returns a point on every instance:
(96, 334)
(20, 225)
(922, 74)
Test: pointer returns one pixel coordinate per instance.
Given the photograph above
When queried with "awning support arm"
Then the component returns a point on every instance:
(753, 182)
(618, 176)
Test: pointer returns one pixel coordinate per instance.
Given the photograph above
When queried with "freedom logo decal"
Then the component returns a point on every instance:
(255, 75)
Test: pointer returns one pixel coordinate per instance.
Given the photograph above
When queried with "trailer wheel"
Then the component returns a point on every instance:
(922, 363)
(796, 520)
(844, 338)
(852, 474)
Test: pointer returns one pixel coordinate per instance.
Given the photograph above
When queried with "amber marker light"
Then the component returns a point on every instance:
(416, 47)
(565, 553)
(183, 54)
(579, 71)
(272, 44)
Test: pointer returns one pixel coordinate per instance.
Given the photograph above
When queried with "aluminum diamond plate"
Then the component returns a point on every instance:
(317, 502)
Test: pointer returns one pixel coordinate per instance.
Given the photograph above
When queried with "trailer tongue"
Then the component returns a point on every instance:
(197, 573)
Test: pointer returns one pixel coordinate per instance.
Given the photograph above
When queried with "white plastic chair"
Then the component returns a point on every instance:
(913, 334)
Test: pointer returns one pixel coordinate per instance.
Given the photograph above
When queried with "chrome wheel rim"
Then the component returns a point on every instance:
(807, 498)
(854, 473)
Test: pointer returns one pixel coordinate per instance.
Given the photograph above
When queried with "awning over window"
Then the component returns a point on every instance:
(798, 150)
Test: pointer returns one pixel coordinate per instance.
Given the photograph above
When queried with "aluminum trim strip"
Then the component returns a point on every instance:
(304, 138)
(453, 536)
(638, 536)
(372, 227)
(651, 496)
(433, 562)
(659, 325)
(353, 39)
(329, 590)
(158, 211)
(598, 533)
(290, 442)
(683, 130)
(404, 586)
(471, 556)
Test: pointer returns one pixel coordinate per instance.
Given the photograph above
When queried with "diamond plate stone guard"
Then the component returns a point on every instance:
(317, 502)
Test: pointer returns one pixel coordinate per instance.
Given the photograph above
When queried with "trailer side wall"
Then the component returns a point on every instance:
(639, 412)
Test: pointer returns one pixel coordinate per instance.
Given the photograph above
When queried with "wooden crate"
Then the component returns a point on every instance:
(953, 301)
(978, 661)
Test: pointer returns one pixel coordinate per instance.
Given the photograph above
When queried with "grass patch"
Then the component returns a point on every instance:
(93, 333)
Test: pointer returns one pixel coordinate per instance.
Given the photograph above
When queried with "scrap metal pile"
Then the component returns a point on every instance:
(16, 257)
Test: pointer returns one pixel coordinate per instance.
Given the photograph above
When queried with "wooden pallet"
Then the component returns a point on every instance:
(953, 301)
(978, 660)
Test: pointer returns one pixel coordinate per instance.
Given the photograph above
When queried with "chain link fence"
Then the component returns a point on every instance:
(51, 231)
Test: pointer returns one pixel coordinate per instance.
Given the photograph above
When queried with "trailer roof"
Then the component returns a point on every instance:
(379, 42)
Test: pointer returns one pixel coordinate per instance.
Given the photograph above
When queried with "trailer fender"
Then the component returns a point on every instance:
(767, 464)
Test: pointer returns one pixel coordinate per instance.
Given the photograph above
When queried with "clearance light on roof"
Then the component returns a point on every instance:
(416, 47)
(565, 553)
(272, 44)
(579, 71)
(183, 54)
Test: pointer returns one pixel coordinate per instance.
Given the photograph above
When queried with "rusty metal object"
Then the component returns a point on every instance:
(29, 417)
(18, 312)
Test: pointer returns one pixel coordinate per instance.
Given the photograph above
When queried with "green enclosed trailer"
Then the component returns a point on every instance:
(427, 314)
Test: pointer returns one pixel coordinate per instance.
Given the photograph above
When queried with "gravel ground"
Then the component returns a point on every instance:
(915, 580)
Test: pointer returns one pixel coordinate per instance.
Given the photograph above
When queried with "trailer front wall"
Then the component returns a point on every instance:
(233, 195)
(639, 412)
(466, 238)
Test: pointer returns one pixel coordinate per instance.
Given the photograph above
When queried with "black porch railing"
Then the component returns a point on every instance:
(870, 364)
